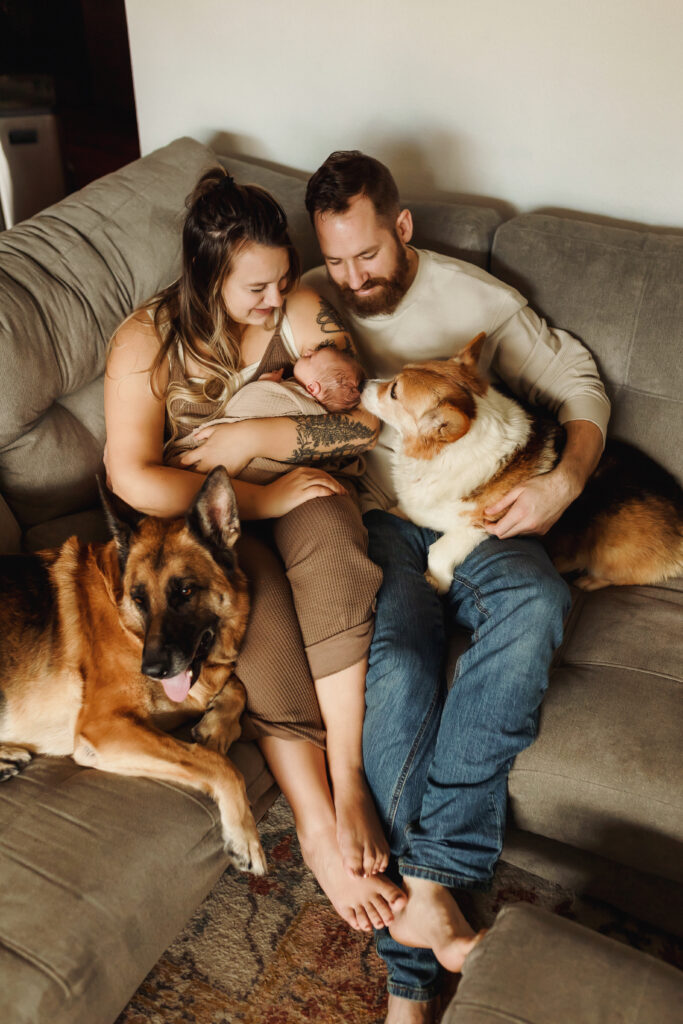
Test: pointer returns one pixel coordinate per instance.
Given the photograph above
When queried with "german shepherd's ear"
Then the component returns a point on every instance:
(122, 520)
(212, 518)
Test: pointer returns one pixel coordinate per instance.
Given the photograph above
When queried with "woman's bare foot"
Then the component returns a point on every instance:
(363, 903)
(431, 919)
(362, 843)
(408, 1011)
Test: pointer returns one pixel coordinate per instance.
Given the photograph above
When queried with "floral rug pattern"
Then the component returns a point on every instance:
(271, 950)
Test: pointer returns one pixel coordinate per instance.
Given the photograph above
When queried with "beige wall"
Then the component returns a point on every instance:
(534, 103)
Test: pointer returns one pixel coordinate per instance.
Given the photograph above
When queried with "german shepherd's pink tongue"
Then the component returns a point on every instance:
(177, 688)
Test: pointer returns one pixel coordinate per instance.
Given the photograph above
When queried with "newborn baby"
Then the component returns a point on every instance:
(332, 377)
(325, 380)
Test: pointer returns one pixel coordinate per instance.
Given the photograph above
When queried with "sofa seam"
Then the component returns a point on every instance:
(636, 320)
(641, 252)
(622, 668)
(643, 391)
(494, 1010)
(38, 962)
(587, 782)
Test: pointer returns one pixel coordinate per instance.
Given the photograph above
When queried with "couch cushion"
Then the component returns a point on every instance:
(68, 276)
(536, 968)
(99, 873)
(455, 229)
(601, 774)
(621, 293)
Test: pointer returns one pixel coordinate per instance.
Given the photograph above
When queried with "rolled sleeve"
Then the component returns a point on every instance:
(548, 367)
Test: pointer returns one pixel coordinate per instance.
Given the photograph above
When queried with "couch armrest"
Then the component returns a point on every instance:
(534, 967)
(10, 531)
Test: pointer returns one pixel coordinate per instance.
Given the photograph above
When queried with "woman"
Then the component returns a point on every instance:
(174, 364)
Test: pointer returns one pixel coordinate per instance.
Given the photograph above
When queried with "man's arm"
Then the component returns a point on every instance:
(536, 505)
(551, 368)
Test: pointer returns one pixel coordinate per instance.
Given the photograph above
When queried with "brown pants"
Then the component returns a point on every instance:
(312, 591)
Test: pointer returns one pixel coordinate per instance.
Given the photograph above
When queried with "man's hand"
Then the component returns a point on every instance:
(533, 507)
(225, 444)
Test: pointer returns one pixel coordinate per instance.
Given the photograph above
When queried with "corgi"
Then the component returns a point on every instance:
(463, 444)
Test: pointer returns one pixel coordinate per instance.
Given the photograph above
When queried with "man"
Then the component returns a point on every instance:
(437, 760)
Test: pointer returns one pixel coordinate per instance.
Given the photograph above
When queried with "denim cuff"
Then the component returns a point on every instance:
(449, 879)
(418, 995)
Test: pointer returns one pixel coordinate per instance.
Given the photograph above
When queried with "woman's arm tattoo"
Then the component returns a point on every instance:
(320, 438)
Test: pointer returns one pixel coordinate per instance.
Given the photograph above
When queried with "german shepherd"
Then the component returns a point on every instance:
(463, 444)
(105, 645)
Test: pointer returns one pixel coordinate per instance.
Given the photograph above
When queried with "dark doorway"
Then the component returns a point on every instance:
(73, 57)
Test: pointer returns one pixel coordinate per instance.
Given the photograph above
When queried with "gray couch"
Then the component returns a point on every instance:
(97, 872)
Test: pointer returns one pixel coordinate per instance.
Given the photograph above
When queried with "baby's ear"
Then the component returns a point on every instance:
(313, 388)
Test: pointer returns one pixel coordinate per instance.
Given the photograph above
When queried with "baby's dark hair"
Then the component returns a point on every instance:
(336, 393)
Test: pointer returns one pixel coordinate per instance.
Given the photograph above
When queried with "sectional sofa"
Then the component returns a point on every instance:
(98, 873)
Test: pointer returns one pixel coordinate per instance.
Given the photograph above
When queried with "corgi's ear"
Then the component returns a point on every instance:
(440, 426)
(469, 355)
(452, 421)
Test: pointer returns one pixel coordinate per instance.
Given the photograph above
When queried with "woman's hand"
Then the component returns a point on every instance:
(224, 444)
(294, 488)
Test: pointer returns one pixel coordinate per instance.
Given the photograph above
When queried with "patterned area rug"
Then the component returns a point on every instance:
(272, 951)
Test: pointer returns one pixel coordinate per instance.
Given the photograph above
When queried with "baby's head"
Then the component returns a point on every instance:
(332, 377)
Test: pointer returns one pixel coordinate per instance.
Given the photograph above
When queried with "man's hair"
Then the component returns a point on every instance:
(349, 173)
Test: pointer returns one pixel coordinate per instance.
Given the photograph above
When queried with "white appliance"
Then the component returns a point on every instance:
(31, 168)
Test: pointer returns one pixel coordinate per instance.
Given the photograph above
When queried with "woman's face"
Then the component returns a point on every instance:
(253, 289)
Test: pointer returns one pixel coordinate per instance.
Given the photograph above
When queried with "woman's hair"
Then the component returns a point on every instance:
(222, 218)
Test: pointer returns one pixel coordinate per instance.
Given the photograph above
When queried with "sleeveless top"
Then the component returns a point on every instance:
(280, 354)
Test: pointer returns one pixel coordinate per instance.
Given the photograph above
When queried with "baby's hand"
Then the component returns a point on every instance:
(275, 375)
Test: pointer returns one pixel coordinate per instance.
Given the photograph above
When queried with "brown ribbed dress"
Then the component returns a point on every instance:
(312, 593)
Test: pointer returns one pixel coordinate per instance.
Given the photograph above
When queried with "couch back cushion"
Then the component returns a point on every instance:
(621, 292)
(455, 229)
(68, 277)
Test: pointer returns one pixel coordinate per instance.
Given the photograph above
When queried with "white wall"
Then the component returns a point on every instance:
(574, 104)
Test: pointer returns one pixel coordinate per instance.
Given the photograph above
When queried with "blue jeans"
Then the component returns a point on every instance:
(437, 758)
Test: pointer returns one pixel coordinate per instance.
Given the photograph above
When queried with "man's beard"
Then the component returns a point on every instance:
(389, 292)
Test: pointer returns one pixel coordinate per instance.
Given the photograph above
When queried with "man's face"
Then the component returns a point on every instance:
(369, 263)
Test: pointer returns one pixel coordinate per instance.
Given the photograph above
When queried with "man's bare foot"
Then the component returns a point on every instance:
(407, 1011)
(363, 903)
(362, 843)
(431, 919)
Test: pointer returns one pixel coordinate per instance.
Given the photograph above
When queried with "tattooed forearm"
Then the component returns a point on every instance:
(321, 438)
(330, 322)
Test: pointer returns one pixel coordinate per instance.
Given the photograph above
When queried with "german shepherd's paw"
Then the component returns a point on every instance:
(216, 732)
(246, 853)
(12, 760)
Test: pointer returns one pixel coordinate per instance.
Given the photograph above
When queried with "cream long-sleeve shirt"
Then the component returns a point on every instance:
(448, 303)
